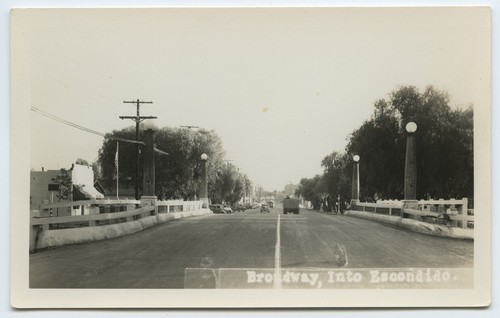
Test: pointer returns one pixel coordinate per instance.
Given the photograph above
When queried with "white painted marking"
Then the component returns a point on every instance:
(277, 258)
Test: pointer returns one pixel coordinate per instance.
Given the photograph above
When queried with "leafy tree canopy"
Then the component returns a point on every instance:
(65, 185)
(178, 175)
(444, 142)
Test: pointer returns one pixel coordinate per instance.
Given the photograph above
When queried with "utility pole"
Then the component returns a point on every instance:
(137, 119)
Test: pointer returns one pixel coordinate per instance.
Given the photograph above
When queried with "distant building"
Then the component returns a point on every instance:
(43, 189)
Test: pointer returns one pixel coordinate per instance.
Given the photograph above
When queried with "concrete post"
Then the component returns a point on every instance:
(464, 212)
(33, 235)
(204, 181)
(410, 185)
(148, 182)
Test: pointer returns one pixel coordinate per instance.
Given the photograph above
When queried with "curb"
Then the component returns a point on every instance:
(55, 238)
(417, 226)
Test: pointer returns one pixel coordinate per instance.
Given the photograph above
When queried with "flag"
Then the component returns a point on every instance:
(116, 165)
(116, 159)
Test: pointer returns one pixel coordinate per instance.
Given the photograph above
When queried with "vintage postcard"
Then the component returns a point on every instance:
(251, 157)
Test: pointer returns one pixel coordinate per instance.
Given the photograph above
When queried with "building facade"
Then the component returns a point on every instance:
(44, 189)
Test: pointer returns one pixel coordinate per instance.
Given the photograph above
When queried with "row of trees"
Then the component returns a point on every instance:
(444, 145)
(178, 175)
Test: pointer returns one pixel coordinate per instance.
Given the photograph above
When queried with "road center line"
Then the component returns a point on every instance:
(277, 257)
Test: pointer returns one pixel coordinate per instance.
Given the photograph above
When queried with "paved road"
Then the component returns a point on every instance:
(157, 257)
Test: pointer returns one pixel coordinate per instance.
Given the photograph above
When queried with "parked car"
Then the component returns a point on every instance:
(239, 207)
(227, 209)
(217, 208)
(264, 208)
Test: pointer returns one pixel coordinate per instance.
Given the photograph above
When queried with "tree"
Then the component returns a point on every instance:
(308, 189)
(229, 185)
(336, 180)
(444, 142)
(96, 169)
(82, 162)
(380, 145)
(178, 175)
(126, 157)
(65, 183)
(65, 191)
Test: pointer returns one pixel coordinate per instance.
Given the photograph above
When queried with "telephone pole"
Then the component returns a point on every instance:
(137, 119)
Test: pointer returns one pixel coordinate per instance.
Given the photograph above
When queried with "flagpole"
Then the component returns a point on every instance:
(117, 168)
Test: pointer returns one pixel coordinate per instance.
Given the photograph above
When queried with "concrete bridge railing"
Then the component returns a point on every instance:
(381, 208)
(453, 213)
(92, 218)
(94, 206)
(170, 206)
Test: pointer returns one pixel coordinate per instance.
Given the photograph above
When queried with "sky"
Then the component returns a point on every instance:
(282, 88)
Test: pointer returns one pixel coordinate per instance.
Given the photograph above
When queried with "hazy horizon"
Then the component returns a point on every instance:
(281, 87)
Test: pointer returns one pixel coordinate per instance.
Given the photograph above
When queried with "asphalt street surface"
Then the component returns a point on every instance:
(157, 257)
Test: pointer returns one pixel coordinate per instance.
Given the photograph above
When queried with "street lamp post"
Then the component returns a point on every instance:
(410, 186)
(204, 181)
(355, 181)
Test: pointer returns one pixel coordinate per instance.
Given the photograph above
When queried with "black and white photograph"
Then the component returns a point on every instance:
(251, 157)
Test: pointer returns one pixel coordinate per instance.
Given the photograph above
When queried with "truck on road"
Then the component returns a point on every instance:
(291, 205)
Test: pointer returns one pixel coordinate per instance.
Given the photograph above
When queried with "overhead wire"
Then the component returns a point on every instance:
(63, 121)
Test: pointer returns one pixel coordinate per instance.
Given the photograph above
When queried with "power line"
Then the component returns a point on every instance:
(65, 122)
